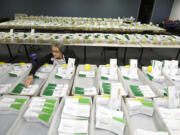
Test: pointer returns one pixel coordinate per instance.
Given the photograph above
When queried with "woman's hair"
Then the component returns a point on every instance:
(60, 46)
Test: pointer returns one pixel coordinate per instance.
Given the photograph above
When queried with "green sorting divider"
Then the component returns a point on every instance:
(150, 77)
(49, 89)
(58, 77)
(82, 75)
(106, 87)
(49, 111)
(51, 101)
(126, 78)
(49, 106)
(104, 78)
(119, 119)
(12, 75)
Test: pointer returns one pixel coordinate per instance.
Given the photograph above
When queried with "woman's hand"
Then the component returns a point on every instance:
(29, 80)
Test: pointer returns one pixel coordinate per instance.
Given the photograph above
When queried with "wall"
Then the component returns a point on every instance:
(175, 12)
(162, 9)
(82, 8)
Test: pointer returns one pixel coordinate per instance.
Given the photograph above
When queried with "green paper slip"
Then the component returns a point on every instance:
(18, 88)
(52, 84)
(119, 119)
(49, 111)
(82, 75)
(52, 101)
(44, 117)
(22, 100)
(84, 101)
(48, 92)
(147, 103)
(136, 91)
(126, 78)
(150, 77)
(104, 78)
(16, 106)
(58, 77)
(12, 75)
(36, 77)
(49, 106)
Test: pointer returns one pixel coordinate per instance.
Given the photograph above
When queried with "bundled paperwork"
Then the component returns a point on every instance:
(171, 119)
(108, 118)
(75, 116)
(155, 73)
(110, 71)
(41, 110)
(55, 90)
(4, 88)
(130, 71)
(87, 72)
(171, 69)
(20, 89)
(173, 97)
(66, 71)
(11, 103)
(141, 91)
(139, 106)
(85, 91)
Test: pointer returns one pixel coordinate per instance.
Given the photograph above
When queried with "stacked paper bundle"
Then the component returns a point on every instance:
(44, 71)
(4, 88)
(12, 103)
(19, 69)
(66, 71)
(41, 110)
(110, 71)
(55, 90)
(170, 68)
(140, 106)
(109, 117)
(20, 89)
(4, 67)
(86, 75)
(75, 116)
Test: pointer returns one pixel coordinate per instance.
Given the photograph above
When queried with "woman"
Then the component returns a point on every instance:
(58, 56)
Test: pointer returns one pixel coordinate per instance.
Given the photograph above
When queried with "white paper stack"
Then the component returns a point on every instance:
(88, 74)
(171, 69)
(138, 106)
(108, 118)
(41, 110)
(12, 103)
(156, 72)
(75, 116)
(110, 72)
(171, 118)
(66, 72)
(4, 88)
(130, 72)
(147, 132)
(30, 90)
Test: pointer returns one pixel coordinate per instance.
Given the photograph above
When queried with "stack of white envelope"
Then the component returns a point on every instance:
(147, 132)
(141, 91)
(12, 103)
(55, 90)
(67, 71)
(41, 110)
(75, 116)
(171, 118)
(156, 72)
(4, 88)
(131, 71)
(138, 106)
(44, 71)
(110, 72)
(171, 69)
(108, 118)
(19, 70)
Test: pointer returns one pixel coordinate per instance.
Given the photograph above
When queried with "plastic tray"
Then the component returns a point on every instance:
(13, 80)
(52, 79)
(141, 121)
(96, 131)
(85, 82)
(57, 118)
(142, 81)
(23, 127)
(157, 86)
(7, 119)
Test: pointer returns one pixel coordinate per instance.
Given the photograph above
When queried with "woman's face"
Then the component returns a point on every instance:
(56, 52)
